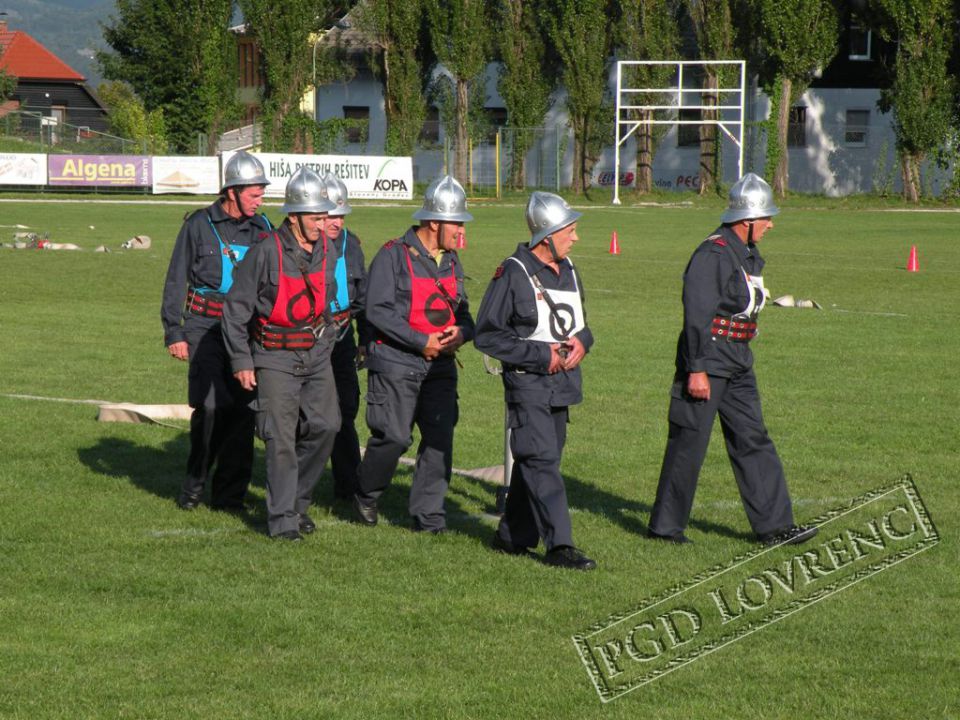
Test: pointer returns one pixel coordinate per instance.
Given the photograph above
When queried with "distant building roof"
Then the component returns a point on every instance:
(26, 59)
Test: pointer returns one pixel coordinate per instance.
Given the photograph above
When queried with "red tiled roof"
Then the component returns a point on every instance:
(26, 59)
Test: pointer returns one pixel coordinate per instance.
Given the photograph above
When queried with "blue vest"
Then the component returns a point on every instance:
(230, 257)
(341, 302)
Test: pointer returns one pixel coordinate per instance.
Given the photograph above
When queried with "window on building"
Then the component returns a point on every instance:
(249, 63)
(797, 128)
(430, 132)
(497, 117)
(688, 135)
(858, 125)
(357, 131)
(860, 41)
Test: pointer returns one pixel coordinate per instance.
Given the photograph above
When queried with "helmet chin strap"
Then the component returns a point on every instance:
(552, 248)
(750, 225)
(234, 192)
(303, 233)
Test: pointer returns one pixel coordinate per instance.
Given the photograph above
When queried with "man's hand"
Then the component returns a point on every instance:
(361, 357)
(451, 339)
(433, 346)
(246, 378)
(698, 386)
(575, 353)
(556, 360)
(179, 350)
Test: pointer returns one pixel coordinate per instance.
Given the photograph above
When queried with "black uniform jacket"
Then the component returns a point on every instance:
(253, 294)
(356, 280)
(196, 262)
(396, 346)
(508, 314)
(713, 284)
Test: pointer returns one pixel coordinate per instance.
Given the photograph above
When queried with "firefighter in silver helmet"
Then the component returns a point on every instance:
(723, 294)
(347, 308)
(532, 319)
(279, 334)
(211, 245)
(418, 311)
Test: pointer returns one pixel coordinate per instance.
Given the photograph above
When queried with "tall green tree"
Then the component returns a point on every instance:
(129, 118)
(286, 33)
(179, 58)
(648, 31)
(921, 95)
(527, 77)
(798, 39)
(581, 33)
(396, 28)
(460, 37)
(713, 25)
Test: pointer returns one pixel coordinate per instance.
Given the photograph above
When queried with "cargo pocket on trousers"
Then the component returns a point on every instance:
(376, 410)
(684, 410)
(262, 422)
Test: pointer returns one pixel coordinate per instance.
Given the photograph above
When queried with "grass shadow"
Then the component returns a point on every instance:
(159, 470)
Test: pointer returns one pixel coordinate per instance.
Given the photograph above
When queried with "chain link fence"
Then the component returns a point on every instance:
(26, 131)
(510, 159)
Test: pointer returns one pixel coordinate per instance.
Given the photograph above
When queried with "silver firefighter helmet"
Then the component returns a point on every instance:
(337, 194)
(243, 169)
(547, 213)
(306, 193)
(444, 201)
(750, 198)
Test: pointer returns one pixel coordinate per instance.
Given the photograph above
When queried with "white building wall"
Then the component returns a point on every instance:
(828, 164)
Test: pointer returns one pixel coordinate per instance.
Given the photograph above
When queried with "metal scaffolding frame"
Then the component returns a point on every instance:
(669, 114)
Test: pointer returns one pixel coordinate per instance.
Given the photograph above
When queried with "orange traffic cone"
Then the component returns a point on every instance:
(912, 264)
(614, 244)
(461, 240)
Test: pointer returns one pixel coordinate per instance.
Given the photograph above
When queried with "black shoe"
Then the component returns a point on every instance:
(569, 557)
(418, 528)
(793, 535)
(366, 511)
(680, 539)
(307, 525)
(291, 535)
(188, 502)
(502, 546)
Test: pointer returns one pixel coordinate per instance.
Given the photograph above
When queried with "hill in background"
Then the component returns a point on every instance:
(68, 28)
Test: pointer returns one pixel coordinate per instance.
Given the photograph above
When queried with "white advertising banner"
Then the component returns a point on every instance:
(191, 175)
(23, 169)
(367, 177)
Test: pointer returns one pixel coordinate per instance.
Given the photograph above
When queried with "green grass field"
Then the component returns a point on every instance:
(116, 604)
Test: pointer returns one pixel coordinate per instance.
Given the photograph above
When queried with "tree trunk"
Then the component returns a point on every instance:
(781, 179)
(576, 182)
(910, 169)
(644, 154)
(462, 144)
(708, 137)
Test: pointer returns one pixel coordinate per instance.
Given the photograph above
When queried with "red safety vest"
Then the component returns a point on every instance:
(430, 311)
(296, 304)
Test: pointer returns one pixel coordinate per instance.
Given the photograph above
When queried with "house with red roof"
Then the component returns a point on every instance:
(46, 84)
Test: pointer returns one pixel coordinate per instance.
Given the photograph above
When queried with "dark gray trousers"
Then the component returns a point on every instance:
(394, 404)
(345, 458)
(756, 465)
(297, 418)
(221, 426)
(537, 501)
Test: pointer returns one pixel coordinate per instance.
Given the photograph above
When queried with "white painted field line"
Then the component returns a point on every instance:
(192, 532)
(867, 312)
(74, 401)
